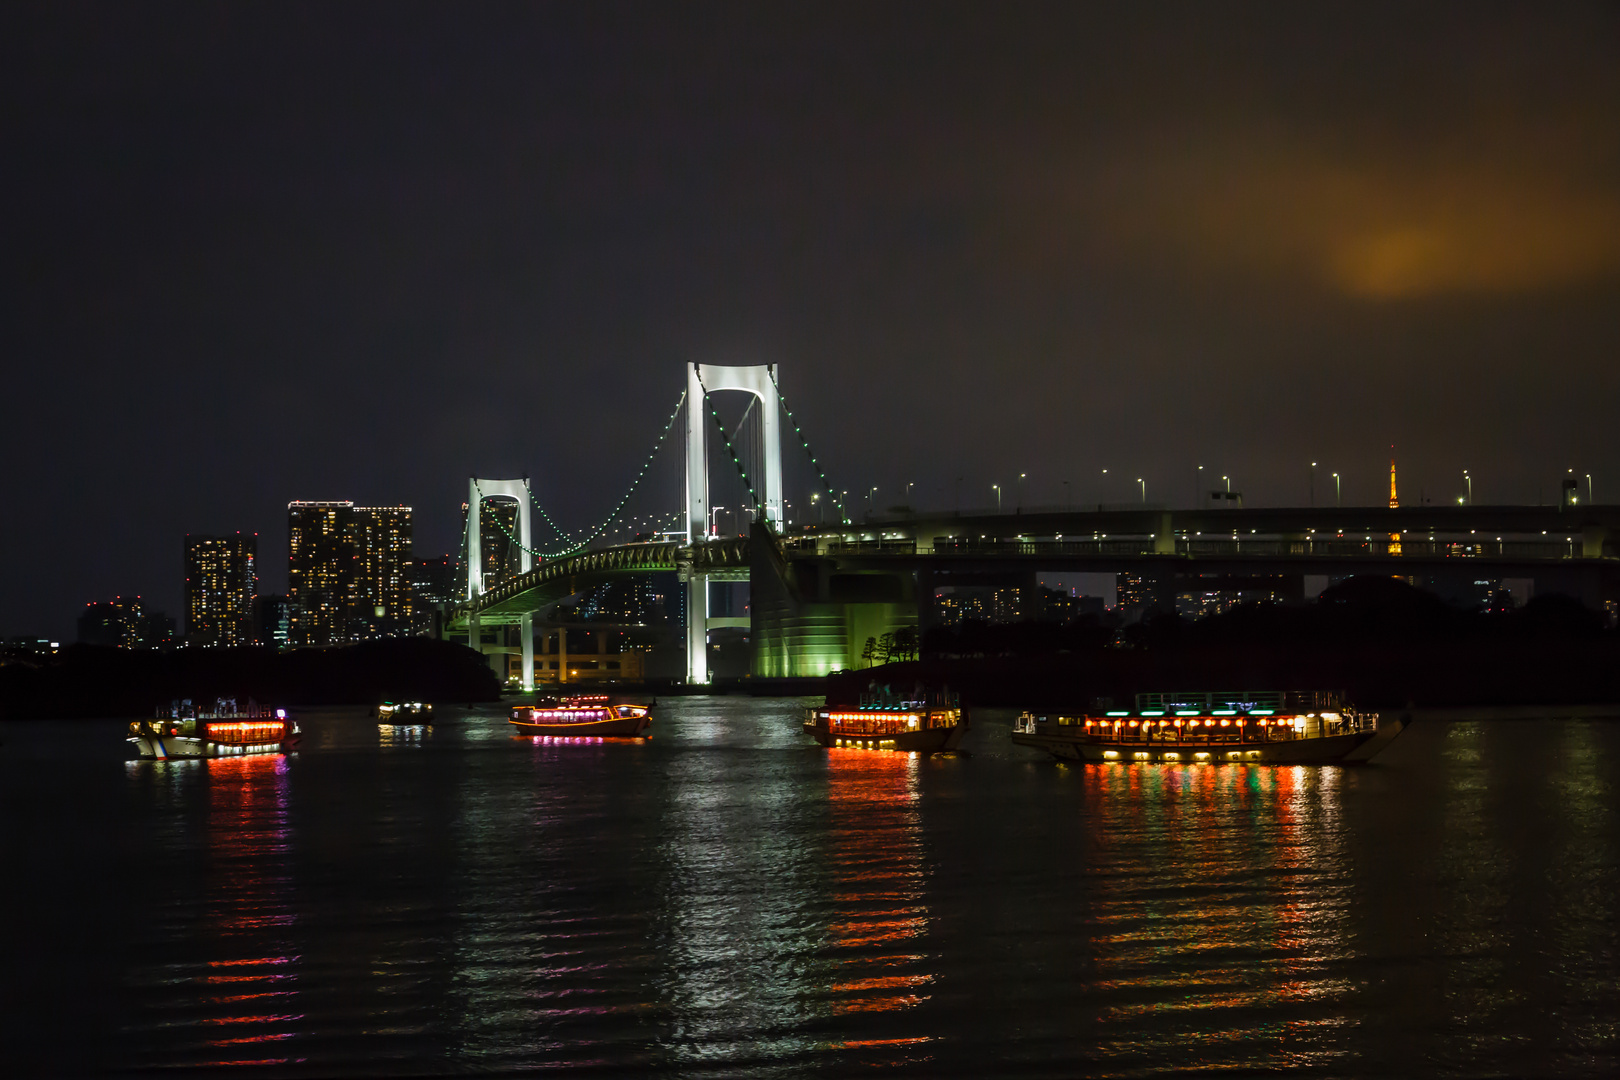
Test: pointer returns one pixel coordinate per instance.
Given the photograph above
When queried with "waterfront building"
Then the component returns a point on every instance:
(220, 587)
(347, 573)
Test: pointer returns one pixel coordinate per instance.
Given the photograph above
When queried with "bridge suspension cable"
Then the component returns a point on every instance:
(804, 442)
(598, 530)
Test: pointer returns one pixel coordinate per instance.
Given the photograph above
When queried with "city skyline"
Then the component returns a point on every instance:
(1044, 242)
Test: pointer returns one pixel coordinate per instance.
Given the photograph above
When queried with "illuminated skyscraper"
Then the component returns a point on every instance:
(320, 553)
(433, 581)
(220, 587)
(346, 571)
(117, 622)
(380, 587)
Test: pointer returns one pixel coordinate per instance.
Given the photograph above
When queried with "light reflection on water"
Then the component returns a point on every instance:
(726, 898)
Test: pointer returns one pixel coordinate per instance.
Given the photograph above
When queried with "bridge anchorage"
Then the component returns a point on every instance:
(818, 593)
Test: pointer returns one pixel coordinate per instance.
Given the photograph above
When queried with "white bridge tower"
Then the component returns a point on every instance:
(478, 490)
(701, 381)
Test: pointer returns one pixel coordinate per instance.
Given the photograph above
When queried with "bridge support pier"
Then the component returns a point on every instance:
(697, 629)
(528, 652)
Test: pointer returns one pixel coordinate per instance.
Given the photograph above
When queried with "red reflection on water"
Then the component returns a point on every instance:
(877, 862)
(1214, 897)
(247, 844)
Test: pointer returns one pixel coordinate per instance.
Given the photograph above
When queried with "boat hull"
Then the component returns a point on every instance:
(926, 741)
(182, 748)
(1351, 748)
(621, 721)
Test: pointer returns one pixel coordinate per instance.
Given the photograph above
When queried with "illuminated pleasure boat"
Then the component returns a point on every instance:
(586, 714)
(405, 712)
(189, 732)
(1249, 727)
(924, 722)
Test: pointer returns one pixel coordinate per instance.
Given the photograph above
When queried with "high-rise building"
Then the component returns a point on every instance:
(319, 562)
(117, 622)
(347, 572)
(433, 581)
(220, 586)
(272, 621)
(380, 589)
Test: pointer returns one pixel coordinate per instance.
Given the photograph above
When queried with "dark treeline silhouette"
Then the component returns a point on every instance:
(91, 680)
(1381, 640)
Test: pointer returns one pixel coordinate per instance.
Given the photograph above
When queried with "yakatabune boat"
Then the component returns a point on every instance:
(925, 722)
(404, 712)
(188, 732)
(1264, 727)
(589, 714)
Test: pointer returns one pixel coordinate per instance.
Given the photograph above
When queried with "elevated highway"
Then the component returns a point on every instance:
(819, 592)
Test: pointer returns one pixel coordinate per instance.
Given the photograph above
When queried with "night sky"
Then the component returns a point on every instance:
(255, 253)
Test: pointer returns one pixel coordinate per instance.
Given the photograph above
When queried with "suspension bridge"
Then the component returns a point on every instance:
(819, 590)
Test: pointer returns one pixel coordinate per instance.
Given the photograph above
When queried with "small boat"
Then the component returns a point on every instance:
(923, 722)
(1235, 727)
(404, 712)
(188, 732)
(585, 714)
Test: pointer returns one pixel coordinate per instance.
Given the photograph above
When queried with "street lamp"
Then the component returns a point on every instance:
(821, 511)
(1143, 482)
(1020, 492)
(1469, 480)
(1228, 480)
(997, 489)
(1313, 483)
(714, 512)
(1589, 489)
(1198, 483)
(1336, 499)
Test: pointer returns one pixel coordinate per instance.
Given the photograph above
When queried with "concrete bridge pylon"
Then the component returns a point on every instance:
(479, 489)
(701, 381)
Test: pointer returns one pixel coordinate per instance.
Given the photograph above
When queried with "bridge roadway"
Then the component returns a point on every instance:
(1565, 550)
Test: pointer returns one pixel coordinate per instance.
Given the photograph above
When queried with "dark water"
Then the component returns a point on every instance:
(729, 899)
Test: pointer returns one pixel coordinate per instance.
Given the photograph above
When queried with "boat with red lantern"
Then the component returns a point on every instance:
(187, 731)
(583, 714)
(1248, 727)
(922, 721)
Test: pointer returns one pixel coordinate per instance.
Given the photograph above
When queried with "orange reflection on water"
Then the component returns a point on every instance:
(247, 844)
(877, 863)
(1221, 899)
